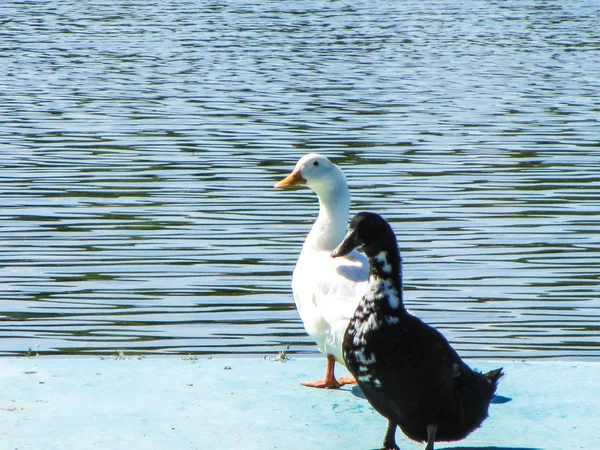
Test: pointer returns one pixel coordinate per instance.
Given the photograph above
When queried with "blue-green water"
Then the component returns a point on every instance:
(139, 142)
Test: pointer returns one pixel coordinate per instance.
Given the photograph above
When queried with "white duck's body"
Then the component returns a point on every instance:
(326, 290)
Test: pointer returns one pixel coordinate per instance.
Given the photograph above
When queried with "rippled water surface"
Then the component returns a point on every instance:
(139, 143)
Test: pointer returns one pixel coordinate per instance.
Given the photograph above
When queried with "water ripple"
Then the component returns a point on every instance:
(140, 143)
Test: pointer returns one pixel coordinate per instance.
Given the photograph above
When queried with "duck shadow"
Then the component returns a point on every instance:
(490, 448)
(357, 392)
(500, 399)
(486, 448)
(496, 400)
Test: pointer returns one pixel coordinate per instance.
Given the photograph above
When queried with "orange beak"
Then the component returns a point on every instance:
(293, 179)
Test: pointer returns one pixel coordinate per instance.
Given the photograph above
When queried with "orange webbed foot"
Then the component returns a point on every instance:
(347, 379)
(322, 384)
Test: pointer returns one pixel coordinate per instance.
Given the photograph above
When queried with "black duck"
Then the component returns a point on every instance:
(407, 370)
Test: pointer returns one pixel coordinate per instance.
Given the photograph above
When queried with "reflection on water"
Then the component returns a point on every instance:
(140, 143)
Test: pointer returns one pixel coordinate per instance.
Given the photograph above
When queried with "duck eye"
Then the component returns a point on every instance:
(316, 163)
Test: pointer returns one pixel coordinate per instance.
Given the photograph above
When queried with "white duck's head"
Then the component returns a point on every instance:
(329, 183)
(319, 174)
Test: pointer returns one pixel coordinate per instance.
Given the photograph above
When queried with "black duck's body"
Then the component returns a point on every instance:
(407, 370)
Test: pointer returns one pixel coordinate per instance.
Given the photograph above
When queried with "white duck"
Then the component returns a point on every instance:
(326, 290)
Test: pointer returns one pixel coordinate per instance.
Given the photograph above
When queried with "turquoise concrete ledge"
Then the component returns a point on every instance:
(255, 403)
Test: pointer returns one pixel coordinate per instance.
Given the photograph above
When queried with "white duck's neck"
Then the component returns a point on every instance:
(334, 208)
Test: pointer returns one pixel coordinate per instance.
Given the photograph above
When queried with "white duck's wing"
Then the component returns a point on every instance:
(340, 287)
(328, 289)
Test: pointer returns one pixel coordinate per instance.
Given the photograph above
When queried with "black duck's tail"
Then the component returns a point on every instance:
(477, 398)
(490, 383)
(493, 376)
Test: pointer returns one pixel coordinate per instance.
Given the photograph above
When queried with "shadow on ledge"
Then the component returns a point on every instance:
(484, 448)
(490, 448)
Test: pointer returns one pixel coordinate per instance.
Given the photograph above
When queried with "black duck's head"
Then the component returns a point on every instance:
(370, 233)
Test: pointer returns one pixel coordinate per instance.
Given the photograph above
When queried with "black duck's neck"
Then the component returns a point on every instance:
(385, 278)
